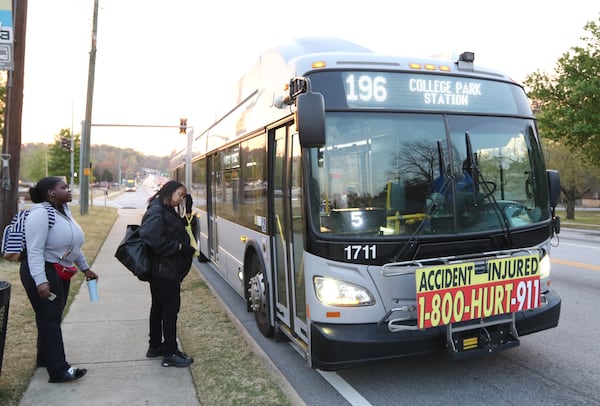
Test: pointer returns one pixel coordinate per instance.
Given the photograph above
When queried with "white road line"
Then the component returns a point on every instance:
(339, 384)
(344, 388)
(579, 245)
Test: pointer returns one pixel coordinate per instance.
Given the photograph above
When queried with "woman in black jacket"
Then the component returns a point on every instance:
(163, 230)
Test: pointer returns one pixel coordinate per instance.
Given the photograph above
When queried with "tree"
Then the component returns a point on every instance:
(107, 176)
(576, 179)
(34, 162)
(568, 100)
(59, 158)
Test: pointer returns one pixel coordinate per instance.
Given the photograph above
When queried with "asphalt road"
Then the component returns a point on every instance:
(555, 367)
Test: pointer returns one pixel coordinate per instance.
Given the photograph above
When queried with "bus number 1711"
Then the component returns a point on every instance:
(354, 252)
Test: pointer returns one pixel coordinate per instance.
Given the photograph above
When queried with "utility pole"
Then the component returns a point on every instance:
(11, 145)
(85, 171)
(119, 175)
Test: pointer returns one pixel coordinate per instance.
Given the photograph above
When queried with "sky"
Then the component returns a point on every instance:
(159, 60)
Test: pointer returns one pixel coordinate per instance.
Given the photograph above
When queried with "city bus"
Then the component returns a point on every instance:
(370, 207)
(130, 185)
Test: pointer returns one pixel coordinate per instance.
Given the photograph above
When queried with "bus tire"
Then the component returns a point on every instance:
(259, 298)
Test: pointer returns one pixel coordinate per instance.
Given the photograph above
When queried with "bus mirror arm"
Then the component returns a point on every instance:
(555, 223)
(296, 87)
(299, 85)
(554, 191)
(283, 102)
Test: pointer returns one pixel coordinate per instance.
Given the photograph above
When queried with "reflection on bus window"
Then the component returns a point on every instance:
(398, 174)
(241, 183)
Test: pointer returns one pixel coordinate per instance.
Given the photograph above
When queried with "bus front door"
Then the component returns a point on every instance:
(287, 224)
(214, 167)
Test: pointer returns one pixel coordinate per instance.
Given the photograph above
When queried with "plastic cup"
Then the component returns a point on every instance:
(92, 286)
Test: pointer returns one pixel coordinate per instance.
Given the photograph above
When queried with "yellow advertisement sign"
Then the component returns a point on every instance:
(451, 293)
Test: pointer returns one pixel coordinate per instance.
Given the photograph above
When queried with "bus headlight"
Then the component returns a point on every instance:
(334, 292)
(545, 267)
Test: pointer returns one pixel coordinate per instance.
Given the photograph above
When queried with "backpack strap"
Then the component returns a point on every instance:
(51, 214)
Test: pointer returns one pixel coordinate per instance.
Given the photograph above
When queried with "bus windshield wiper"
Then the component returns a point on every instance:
(479, 180)
(444, 172)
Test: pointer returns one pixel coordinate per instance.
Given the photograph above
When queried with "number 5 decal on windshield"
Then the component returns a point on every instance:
(356, 219)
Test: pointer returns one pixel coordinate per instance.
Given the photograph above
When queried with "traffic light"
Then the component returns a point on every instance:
(65, 143)
(183, 126)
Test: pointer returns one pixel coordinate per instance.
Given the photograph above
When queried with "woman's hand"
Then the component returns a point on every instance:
(43, 290)
(89, 274)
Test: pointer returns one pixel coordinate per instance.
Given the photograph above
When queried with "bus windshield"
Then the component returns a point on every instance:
(394, 174)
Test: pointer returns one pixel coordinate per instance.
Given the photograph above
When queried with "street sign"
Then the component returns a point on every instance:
(7, 61)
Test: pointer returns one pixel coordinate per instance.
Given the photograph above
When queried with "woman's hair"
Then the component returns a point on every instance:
(166, 191)
(39, 192)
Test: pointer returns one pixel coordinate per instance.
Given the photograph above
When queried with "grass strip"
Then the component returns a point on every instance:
(225, 370)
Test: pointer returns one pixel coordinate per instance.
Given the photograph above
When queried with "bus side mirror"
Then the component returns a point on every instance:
(310, 119)
(554, 186)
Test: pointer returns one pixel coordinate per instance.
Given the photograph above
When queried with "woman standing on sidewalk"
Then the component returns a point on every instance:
(52, 252)
(164, 232)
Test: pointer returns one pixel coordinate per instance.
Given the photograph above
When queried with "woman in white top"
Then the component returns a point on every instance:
(53, 256)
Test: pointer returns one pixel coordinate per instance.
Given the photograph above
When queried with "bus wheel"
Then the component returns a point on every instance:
(259, 298)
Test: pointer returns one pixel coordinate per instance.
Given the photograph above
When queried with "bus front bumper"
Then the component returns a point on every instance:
(338, 346)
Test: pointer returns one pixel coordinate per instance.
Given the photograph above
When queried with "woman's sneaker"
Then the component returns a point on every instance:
(154, 352)
(72, 374)
(177, 359)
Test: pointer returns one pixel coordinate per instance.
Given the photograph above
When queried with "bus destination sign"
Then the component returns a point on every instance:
(428, 92)
(452, 293)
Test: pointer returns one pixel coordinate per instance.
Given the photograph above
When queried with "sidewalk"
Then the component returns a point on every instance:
(110, 338)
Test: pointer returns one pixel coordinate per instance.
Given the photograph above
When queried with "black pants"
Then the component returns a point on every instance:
(48, 318)
(166, 300)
